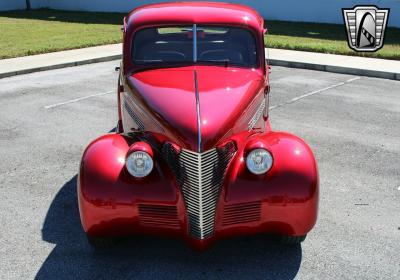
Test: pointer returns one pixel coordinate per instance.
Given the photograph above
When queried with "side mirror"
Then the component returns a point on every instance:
(268, 68)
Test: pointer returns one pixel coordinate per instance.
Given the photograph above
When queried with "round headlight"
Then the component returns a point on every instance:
(139, 164)
(259, 161)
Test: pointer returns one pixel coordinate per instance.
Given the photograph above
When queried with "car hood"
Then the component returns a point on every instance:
(205, 115)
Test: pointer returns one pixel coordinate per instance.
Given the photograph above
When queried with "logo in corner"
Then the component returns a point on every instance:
(365, 27)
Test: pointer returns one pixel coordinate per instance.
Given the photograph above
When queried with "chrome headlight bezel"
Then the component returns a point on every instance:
(264, 159)
(139, 164)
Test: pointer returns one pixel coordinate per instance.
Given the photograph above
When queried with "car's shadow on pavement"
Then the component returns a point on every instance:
(257, 257)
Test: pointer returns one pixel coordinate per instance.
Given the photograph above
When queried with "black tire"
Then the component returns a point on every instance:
(101, 243)
(292, 240)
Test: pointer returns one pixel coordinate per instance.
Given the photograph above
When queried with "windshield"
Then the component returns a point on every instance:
(213, 45)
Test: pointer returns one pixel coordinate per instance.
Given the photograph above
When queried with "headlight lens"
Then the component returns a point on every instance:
(139, 164)
(259, 161)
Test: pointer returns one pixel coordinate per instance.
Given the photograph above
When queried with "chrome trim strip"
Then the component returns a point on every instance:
(139, 116)
(196, 89)
(257, 115)
(134, 117)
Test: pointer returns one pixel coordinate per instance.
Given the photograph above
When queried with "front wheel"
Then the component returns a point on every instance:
(292, 240)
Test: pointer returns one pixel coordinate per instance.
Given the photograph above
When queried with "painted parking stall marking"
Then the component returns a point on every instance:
(312, 93)
(77, 99)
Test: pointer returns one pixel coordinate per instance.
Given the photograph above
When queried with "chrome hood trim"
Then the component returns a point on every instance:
(196, 91)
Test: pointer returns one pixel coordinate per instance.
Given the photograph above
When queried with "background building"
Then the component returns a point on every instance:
(292, 10)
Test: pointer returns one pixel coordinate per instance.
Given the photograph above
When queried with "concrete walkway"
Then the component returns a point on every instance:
(372, 67)
(361, 66)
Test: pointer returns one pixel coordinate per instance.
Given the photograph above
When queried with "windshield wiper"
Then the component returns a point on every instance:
(217, 61)
(148, 60)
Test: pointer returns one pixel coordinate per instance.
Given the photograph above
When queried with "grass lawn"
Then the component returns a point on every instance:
(40, 31)
(325, 38)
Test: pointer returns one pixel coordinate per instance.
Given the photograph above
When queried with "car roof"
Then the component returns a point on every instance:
(195, 12)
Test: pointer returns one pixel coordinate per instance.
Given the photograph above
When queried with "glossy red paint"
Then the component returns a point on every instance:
(142, 147)
(167, 14)
(109, 198)
(166, 97)
(160, 106)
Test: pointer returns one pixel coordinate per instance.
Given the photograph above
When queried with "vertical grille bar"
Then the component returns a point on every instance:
(200, 176)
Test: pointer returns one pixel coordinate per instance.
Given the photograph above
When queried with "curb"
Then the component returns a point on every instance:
(273, 62)
(336, 69)
(61, 65)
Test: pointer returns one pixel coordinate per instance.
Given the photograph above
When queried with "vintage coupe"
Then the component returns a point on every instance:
(194, 155)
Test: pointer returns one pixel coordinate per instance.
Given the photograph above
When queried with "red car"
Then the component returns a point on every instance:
(194, 155)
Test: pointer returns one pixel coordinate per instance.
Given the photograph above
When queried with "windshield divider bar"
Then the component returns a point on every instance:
(194, 43)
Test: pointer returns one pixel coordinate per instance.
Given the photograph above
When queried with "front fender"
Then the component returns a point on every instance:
(289, 191)
(108, 195)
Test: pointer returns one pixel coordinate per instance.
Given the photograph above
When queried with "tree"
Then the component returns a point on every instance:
(28, 4)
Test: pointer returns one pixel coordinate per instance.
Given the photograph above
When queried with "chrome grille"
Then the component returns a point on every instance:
(200, 176)
(241, 213)
(158, 216)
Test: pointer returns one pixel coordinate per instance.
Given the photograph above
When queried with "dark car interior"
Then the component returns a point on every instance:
(229, 45)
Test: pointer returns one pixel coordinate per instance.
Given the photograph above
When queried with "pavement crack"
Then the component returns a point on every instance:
(293, 100)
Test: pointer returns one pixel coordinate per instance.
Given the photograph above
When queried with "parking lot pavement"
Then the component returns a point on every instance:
(351, 123)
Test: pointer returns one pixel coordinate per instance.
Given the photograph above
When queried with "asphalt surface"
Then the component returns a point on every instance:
(351, 123)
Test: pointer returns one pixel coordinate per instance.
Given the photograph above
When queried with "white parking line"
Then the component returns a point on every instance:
(312, 93)
(77, 99)
(271, 107)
